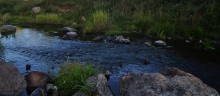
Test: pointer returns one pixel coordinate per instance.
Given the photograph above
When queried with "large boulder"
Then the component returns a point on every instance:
(36, 79)
(36, 10)
(7, 29)
(172, 82)
(12, 83)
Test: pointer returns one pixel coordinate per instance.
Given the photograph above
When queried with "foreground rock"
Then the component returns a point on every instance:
(12, 83)
(36, 80)
(171, 82)
(101, 84)
(7, 29)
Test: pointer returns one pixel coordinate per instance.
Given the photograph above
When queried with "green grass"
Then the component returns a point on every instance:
(98, 22)
(48, 19)
(72, 78)
(161, 18)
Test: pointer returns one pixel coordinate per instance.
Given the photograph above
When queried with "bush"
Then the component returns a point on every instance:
(48, 19)
(72, 78)
(98, 22)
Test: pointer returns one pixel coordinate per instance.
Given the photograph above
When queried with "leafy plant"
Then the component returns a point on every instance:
(72, 78)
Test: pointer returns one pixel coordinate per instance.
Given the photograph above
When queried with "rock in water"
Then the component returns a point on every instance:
(122, 40)
(12, 83)
(160, 43)
(36, 10)
(7, 29)
(71, 35)
(174, 82)
(67, 29)
(36, 79)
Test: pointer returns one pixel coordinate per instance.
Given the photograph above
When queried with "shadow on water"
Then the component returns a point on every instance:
(30, 46)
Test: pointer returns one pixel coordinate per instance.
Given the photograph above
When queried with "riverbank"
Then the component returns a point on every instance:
(162, 19)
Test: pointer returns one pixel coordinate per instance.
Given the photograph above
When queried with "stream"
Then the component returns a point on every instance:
(47, 53)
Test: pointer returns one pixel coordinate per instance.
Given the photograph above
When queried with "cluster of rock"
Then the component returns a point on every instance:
(171, 82)
(114, 39)
(37, 84)
(68, 33)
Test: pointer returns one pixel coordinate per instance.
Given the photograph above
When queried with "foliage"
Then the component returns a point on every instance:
(72, 78)
(48, 19)
(98, 22)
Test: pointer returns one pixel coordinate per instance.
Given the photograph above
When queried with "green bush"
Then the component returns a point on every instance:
(48, 19)
(72, 78)
(98, 22)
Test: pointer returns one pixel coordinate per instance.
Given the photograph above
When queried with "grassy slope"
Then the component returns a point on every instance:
(169, 18)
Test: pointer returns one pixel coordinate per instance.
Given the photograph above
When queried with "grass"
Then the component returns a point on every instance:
(72, 78)
(98, 22)
(48, 19)
(169, 18)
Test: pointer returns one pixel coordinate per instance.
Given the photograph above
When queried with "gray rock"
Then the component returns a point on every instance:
(71, 35)
(12, 83)
(7, 29)
(148, 43)
(68, 29)
(36, 10)
(101, 85)
(160, 43)
(122, 40)
(98, 38)
(79, 94)
(38, 92)
(172, 82)
(36, 79)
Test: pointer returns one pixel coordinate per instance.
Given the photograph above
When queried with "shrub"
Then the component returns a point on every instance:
(72, 78)
(48, 19)
(98, 22)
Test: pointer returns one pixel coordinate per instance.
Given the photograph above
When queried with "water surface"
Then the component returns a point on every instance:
(46, 53)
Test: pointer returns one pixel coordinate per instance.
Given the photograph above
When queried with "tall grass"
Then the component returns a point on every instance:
(72, 78)
(98, 22)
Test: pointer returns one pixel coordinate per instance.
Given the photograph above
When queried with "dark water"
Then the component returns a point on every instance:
(44, 53)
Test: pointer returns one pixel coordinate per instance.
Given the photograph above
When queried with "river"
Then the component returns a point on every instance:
(47, 53)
